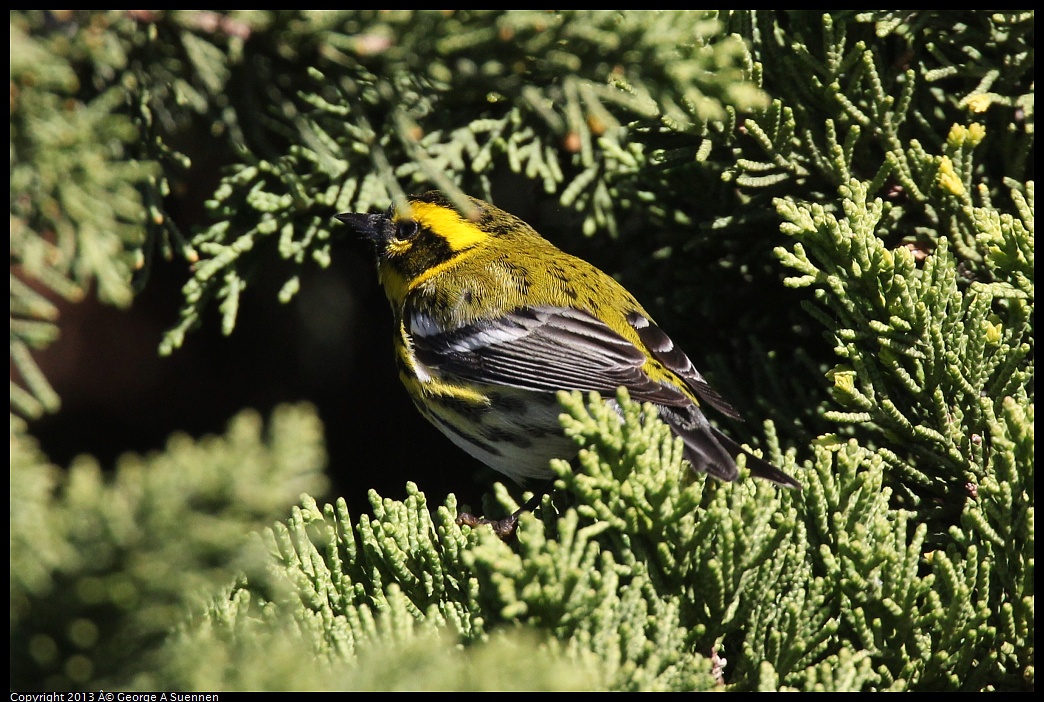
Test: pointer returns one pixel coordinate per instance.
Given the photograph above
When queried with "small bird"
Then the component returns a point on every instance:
(491, 320)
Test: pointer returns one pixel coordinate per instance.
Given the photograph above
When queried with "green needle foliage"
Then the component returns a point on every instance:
(102, 567)
(645, 571)
(836, 208)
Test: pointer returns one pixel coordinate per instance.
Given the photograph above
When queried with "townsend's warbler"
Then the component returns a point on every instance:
(491, 320)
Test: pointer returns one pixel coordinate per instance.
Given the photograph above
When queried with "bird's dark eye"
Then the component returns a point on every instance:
(406, 229)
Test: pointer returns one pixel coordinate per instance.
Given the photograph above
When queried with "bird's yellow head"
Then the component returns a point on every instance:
(418, 241)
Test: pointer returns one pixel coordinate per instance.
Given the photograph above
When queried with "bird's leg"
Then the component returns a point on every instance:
(504, 528)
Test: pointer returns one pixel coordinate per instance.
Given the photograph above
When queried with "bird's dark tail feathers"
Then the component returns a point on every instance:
(759, 468)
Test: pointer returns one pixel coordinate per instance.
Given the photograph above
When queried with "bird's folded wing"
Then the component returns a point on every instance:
(662, 348)
(542, 349)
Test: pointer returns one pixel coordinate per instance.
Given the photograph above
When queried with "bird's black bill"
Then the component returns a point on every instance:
(367, 226)
(356, 220)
